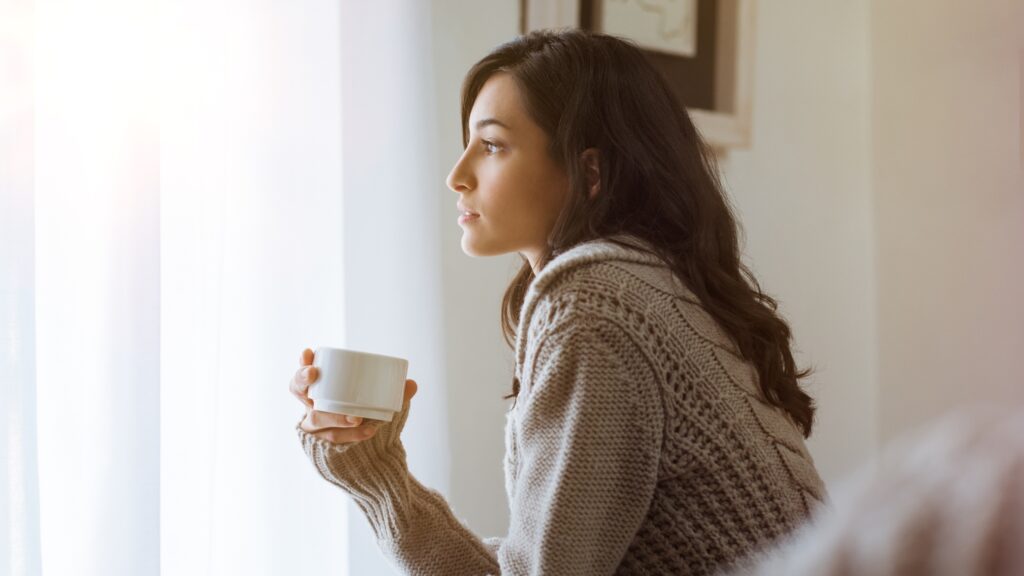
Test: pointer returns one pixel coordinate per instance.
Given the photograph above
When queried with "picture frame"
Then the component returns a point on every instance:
(715, 86)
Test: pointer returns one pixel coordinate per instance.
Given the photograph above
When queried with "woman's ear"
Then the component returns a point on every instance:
(591, 158)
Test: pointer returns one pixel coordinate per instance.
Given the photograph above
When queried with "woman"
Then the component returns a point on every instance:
(658, 423)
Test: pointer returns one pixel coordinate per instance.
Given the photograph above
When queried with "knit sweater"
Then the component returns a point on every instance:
(639, 443)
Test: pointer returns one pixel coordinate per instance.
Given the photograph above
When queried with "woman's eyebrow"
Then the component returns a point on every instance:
(488, 121)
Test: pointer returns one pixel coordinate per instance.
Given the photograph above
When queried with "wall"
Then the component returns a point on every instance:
(948, 184)
(803, 196)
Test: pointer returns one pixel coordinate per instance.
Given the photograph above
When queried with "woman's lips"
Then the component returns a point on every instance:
(463, 218)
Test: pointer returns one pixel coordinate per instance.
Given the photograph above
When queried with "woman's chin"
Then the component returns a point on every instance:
(470, 247)
(476, 247)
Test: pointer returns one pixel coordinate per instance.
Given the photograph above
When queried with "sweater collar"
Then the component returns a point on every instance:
(599, 249)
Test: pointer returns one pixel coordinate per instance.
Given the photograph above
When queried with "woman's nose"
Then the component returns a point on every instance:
(450, 181)
(458, 179)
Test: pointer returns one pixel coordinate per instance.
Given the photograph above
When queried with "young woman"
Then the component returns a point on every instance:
(658, 423)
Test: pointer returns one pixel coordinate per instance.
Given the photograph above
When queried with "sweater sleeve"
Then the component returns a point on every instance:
(589, 435)
(414, 526)
(588, 450)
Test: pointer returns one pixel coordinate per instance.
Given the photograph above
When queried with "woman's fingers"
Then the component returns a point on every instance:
(410, 389)
(344, 436)
(337, 428)
(318, 420)
(306, 375)
(299, 386)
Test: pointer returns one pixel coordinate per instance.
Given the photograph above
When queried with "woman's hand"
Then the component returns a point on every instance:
(326, 425)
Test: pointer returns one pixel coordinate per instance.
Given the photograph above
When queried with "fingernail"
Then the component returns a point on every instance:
(353, 419)
(305, 373)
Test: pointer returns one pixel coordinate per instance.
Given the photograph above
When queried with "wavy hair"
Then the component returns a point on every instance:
(658, 181)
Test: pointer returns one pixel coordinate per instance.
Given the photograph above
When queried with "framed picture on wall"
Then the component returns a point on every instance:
(703, 48)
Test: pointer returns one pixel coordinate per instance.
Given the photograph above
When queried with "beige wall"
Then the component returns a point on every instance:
(803, 195)
(949, 205)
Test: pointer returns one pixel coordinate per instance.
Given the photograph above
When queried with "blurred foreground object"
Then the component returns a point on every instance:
(949, 501)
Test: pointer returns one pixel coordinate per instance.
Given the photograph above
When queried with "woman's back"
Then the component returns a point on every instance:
(726, 473)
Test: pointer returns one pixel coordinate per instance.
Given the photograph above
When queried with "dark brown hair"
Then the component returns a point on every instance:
(658, 181)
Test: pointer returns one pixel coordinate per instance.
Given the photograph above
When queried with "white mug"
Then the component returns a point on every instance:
(358, 383)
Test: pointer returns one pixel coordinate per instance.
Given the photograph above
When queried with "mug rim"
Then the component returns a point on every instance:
(358, 352)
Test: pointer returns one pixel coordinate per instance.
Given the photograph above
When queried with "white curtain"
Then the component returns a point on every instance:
(19, 481)
(194, 191)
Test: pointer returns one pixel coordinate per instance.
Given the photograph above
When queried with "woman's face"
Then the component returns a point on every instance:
(506, 176)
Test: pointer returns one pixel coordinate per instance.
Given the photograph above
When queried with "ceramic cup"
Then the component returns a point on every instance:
(358, 383)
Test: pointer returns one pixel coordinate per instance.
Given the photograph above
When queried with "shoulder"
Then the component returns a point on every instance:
(619, 280)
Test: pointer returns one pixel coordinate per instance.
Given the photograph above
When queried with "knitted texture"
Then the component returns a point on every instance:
(639, 443)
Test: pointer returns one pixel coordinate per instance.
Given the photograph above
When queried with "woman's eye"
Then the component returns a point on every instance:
(491, 147)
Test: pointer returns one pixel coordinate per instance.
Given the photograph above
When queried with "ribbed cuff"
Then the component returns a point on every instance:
(413, 524)
(372, 471)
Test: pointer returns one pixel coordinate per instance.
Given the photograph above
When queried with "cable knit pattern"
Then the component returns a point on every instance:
(639, 444)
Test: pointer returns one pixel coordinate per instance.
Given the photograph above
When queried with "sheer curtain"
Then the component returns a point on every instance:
(194, 191)
(19, 487)
(80, 364)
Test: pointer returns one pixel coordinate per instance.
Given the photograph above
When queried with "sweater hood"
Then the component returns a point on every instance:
(600, 249)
